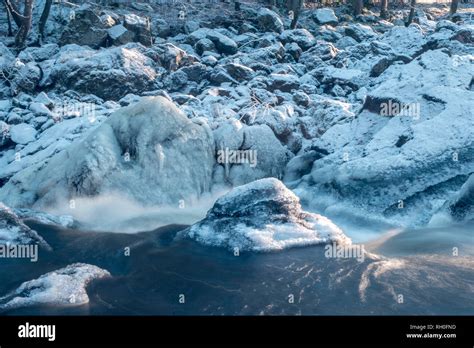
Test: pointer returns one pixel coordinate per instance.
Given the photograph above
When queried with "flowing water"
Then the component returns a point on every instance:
(408, 272)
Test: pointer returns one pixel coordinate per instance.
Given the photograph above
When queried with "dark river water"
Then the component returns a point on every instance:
(417, 275)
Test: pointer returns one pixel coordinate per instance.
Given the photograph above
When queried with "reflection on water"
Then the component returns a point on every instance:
(420, 275)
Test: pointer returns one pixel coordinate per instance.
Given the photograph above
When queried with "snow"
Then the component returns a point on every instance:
(263, 216)
(63, 287)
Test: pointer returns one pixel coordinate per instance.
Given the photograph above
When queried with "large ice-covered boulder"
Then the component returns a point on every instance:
(263, 216)
(148, 151)
(63, 287)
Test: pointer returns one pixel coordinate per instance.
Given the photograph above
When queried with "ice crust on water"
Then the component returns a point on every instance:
(263, 216)
(66, 286)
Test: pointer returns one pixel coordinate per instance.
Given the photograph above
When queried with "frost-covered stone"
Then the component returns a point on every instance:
(222, 43)
(14, 231)
(22, 133)
(269, 21)
(38, 54)
(282, 82)
(63, 287)
(325, 16)
(302, 37)
(150, 148)
(271, 157)
(360, 32)
(120, 35)
(26, 77)
(109, 74)
(140, 27)
(401, 156)
(263, 216)
(86, 29)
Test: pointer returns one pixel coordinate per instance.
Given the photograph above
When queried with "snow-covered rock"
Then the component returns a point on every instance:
(38, 54)
(120, 35)
(63, 287)
(269, 21)
(45, 218)
(22, 133)
(270, 156)
(109, 74)
(6, 56)
(14, 231)
(140, 27)
(302, 37)
(325, 16)
(148, 151)
(222, 43)
(86, 28)
(263, 216)
(400, 163)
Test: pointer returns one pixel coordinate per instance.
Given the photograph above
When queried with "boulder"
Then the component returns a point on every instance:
(148, 151)
(85, 29)
(62, 287)
(413, 143)
(269, 154)
(14, 231)
(282, 82)
(239, 72)
(119, 35)
(360, 32)
(38, 54)
(302, 37)
(325, 16)
(222, 43)
(140, 27)
(26, 77)
(267, 20)
(22, 133)
(109, 74)
(263, 216)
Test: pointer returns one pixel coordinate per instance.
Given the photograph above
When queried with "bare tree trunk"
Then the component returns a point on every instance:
(412, 13)
(44, 18)
(384, 9)
(358, 5)
(14, 12)
(454, 6)
(295, 7)
(25, 26)
(9, 20)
